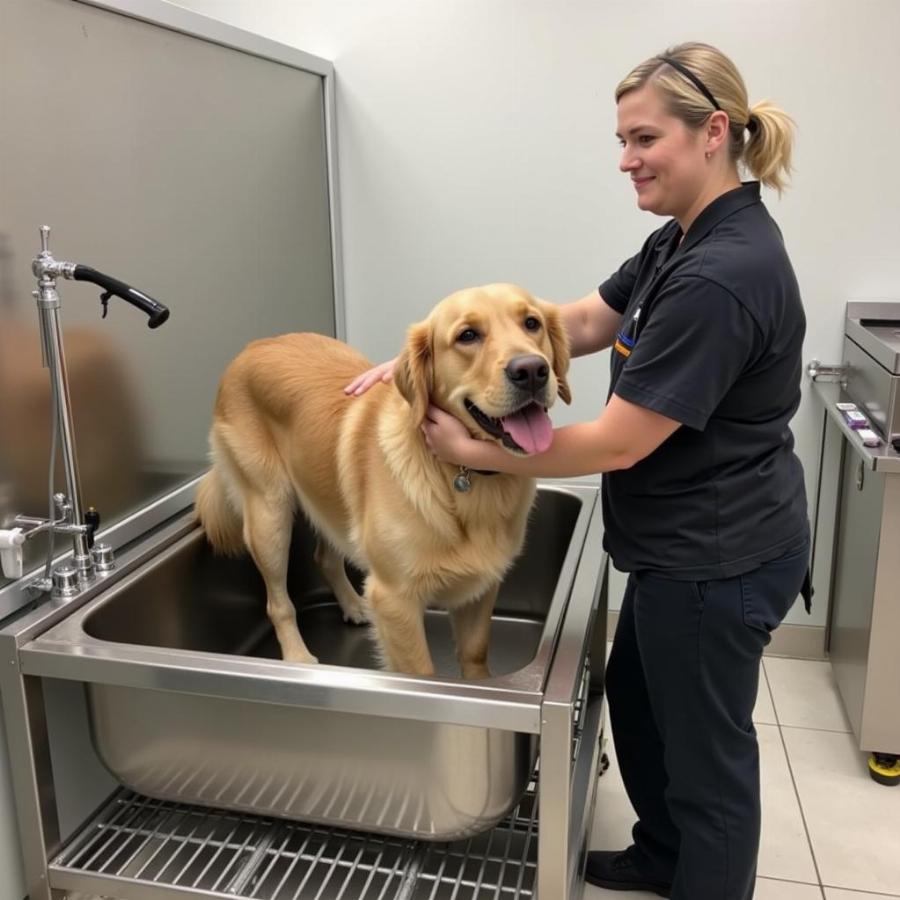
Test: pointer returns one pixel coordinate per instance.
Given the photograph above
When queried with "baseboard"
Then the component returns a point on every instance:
(798, 642)
(793, 641)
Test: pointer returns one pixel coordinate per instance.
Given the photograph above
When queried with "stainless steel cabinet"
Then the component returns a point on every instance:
(865, 618)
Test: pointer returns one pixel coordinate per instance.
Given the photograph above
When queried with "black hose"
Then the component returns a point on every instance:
(153, 308)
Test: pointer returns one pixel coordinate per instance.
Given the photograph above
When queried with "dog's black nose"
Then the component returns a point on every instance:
(529, 373)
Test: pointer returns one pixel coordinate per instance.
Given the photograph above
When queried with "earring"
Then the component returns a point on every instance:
(708, 154)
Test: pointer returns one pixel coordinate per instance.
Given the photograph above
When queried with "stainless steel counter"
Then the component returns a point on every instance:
(879, 459)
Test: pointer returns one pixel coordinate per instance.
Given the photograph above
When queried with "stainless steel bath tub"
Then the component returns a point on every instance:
(190, 703)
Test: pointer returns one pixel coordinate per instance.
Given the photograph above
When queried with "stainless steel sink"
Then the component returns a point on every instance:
(191, 600)
(189, 701)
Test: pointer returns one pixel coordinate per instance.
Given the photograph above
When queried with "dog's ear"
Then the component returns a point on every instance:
(559, 344)
(414, 370)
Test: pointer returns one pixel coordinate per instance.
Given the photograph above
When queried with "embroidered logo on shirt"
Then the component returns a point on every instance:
(627, 337)
(624, 345)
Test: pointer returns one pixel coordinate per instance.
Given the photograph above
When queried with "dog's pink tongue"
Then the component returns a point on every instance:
(530, 428)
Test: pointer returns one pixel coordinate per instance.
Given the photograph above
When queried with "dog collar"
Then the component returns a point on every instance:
(463, 483)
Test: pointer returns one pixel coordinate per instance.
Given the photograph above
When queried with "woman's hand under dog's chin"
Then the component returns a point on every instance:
(450, 441)
(447, 437)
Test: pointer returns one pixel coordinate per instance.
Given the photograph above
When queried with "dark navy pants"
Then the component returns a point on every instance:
(681, 685)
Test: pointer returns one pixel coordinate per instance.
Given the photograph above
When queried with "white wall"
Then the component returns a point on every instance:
(477, 144)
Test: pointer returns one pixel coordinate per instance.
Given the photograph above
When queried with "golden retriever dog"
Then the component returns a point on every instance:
(284, 434)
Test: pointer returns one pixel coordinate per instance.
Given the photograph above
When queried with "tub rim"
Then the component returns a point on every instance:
(56, 645)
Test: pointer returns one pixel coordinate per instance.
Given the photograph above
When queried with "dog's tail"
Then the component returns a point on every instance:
(219, 518)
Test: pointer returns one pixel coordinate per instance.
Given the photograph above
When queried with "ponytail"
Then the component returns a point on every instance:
(767, 151)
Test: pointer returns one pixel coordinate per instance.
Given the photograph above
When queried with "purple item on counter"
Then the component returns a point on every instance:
(855, 419)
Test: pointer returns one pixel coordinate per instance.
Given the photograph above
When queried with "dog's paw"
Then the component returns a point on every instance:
(300, 656)
(353, 609)
(355, 615)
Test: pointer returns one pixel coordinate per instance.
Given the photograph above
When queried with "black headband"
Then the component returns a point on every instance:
(692, 78)
(751, 125)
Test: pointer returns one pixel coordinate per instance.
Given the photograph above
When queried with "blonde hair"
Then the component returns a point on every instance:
(766, 151)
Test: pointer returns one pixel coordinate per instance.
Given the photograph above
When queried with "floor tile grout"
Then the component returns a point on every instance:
(794, 881)
(788, 880)
(787, 759)
(813, 728)
(783, 727)
(765, 676)
(845, 730)
(862, 891)
(812, 849)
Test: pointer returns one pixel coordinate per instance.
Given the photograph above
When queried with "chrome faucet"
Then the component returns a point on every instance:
(89, 559)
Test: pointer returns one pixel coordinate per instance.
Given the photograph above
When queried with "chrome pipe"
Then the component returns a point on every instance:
(59, 374)
(817, 371)
(46, 269)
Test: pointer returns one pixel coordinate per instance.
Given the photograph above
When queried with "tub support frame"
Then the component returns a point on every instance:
(568, 750)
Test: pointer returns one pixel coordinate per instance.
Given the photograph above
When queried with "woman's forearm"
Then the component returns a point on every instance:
(576, 450)
(621, 436)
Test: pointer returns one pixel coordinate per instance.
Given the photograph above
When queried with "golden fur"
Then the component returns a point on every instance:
(284, 433)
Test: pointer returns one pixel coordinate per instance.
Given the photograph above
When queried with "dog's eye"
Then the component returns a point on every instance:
(467, 336)
(532, 323)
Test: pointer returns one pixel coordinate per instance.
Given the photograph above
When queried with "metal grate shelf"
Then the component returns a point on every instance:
(139, 840)
(500, 864)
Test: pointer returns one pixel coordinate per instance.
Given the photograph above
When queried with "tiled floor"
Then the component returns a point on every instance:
(829, 831)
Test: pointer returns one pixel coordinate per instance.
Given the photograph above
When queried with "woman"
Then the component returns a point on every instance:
(703, 497)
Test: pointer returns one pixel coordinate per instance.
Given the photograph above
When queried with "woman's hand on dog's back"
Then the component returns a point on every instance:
(383, 372)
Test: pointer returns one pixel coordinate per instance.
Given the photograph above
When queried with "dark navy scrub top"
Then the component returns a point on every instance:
(711, 336)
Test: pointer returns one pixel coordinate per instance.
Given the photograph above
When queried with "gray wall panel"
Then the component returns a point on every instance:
(193, 171)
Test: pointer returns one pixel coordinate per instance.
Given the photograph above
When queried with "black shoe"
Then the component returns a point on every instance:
(616, 871)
